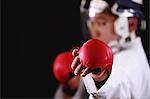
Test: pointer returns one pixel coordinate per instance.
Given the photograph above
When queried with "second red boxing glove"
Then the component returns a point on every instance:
(62, 67)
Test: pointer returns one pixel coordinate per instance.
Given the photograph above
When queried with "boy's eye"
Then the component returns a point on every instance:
(101, 23)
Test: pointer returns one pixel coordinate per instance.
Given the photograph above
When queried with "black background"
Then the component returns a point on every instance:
(33, 33)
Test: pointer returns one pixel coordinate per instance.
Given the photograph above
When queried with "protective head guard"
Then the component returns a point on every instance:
(123, 9)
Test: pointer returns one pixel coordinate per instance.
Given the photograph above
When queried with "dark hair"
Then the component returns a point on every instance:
(108, 11)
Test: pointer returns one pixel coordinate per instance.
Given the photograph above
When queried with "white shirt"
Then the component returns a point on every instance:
(80, 94)
(129, 79)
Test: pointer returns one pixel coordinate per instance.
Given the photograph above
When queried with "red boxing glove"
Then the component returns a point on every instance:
(96, 54)
(62, 67)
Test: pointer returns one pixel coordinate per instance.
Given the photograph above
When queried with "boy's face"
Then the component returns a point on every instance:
(101, 27)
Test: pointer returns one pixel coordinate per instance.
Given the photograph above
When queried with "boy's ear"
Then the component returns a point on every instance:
(133, 23)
